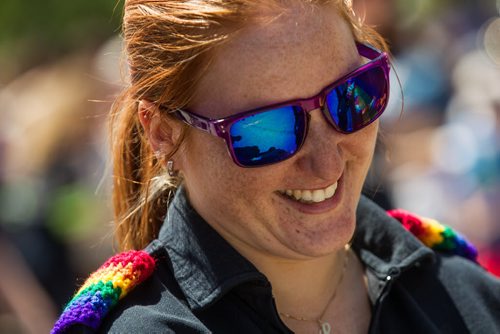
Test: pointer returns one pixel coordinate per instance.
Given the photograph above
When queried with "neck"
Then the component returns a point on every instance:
(303, 287)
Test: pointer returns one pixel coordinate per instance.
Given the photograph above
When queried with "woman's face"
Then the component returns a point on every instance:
(293, 56)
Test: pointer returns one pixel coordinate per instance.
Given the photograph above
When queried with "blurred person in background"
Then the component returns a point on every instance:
(265, 229)
(48, 207)
(53, 220)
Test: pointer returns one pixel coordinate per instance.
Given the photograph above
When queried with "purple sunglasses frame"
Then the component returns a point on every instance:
(220, 127)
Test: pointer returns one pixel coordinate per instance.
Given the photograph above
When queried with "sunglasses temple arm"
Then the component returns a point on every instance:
(368, 51)
(196, 121)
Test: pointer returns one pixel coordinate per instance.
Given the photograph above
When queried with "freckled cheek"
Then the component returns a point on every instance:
(362, 143)
(214, 171)
(360, 148)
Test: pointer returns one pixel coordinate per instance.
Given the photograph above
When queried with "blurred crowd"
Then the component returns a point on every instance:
(440, 152)
(438, 155)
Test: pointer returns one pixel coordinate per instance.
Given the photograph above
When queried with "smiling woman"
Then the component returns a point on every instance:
(240, 151)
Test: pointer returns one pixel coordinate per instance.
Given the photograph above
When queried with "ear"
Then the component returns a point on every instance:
(162, 134)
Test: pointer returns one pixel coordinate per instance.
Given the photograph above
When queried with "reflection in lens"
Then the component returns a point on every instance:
(267, 137)
(358, 101)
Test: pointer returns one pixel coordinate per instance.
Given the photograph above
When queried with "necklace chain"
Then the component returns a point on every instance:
(324, 326)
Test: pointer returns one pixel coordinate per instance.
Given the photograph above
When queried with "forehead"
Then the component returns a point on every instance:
(293, 55)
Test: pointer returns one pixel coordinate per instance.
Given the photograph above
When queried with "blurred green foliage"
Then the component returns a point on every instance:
(74, 212)
(34, 32)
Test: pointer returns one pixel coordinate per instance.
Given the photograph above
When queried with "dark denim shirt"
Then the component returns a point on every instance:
(202, 285)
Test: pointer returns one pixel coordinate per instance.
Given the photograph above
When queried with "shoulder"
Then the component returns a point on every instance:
(104, 288)
(455, 254)
(156, 306)
(474, 291)
(468, 281)
(132, 292)
(435, 235)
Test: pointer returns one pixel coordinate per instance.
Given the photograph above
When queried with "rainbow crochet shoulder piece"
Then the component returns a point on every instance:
(102, 290)
(435, 235)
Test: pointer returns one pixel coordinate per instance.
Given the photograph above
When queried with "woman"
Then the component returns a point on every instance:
(264, 114)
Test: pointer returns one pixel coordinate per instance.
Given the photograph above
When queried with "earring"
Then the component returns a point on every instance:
(170, 168)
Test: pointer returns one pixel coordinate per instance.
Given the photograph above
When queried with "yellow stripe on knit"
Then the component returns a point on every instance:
(117, 274)
(433, 232)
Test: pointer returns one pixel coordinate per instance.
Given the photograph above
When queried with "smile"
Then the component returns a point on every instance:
(311, 196)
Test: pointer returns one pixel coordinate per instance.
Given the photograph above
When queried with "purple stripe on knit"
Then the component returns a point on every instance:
(87, 309)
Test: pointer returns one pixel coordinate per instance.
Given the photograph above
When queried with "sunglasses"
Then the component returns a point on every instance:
(274, 133)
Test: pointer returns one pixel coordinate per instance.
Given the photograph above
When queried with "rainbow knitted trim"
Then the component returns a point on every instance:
(102, 290)
(435, 235)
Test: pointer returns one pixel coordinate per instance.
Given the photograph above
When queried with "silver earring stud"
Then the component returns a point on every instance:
(170, 168)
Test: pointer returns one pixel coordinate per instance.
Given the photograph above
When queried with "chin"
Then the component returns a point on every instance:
(328, 236)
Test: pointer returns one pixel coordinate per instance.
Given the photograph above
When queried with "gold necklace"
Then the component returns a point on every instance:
(324, 326)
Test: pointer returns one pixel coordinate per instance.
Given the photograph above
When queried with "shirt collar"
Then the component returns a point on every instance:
(385, 247)
(383, 244)
(206, 266)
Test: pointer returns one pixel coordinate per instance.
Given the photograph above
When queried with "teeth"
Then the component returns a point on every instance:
(297, 194)
(311, 196)
(307, 195)
(330, 191)
(318, 196)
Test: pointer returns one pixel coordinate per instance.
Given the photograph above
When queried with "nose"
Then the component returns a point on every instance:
(321, 154)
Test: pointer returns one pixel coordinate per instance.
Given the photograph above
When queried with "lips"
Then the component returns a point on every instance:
(311, 195)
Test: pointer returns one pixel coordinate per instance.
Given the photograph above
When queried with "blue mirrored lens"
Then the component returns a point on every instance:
(359, 101)
(268, 137)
